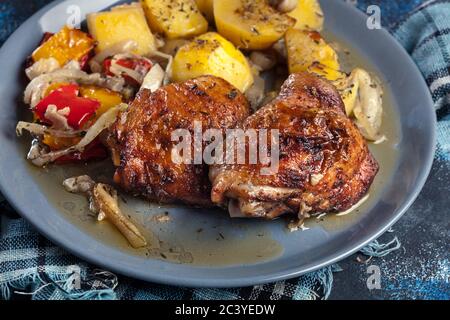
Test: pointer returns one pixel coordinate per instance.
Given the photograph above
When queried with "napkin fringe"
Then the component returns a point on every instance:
(59, 285)
(378, 250)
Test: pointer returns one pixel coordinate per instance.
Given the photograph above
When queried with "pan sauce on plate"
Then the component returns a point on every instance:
(212, 239)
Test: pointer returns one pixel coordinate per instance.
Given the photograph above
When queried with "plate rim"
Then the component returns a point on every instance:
(238, 282)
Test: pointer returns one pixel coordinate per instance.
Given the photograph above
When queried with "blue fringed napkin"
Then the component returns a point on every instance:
(31, 265)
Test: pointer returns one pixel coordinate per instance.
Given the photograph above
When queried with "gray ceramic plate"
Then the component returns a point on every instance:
(205, 248)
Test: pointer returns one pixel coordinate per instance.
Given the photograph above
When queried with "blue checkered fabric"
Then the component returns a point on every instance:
(425, 34)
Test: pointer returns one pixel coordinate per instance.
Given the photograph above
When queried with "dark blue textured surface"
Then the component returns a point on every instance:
(421, 269)
(14, 12)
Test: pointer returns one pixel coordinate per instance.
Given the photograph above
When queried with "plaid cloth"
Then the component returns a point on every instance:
(425, 33)
(32, 265)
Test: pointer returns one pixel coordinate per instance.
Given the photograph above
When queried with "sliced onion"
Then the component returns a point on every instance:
(280, 48)
(104, 122)
(120, 47)
(137, 74)
(256, 93)
(169, 59)
(159, 41)
(35, 90)
(42, 66)
(363, 98)
(39, 156)
(80, 184)
(39, 130)
(72, 64)
(84, 185)
(284, 5)
(287, 5)
(154, 78)
(119, 70)
(368, 109)
(172, 46)
(262, 60)
(234, 210)
(58, 118)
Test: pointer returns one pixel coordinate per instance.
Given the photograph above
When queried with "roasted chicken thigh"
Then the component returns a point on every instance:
(324, 162)
(141, 139)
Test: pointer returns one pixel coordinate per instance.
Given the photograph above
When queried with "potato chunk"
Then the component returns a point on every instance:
(211, 54)
(175, 18)
(250, 24)
(349, 92)
(207, 8)
(308, 14)
(122, 23)
(308, 51)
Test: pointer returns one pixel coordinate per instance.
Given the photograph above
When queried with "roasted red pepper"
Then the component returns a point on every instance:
(94, 151)
(80, 109)
(142, 66)
(84, 62)
(66, 45)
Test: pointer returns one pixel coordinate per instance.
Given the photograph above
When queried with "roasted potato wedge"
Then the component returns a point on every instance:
(308, 14)
(308, 51)
(175, 18)
(348, 87)
(250, 24)
(122, 23)
(211, 54)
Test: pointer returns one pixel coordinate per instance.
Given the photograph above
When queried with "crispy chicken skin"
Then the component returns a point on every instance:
(325, 164)
(141, 138)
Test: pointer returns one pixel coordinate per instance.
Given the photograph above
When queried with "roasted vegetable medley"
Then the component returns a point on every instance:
(77, 76)
(80, 81)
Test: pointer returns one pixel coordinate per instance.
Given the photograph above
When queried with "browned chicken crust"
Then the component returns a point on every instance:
(325, 164)
(141, 138)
